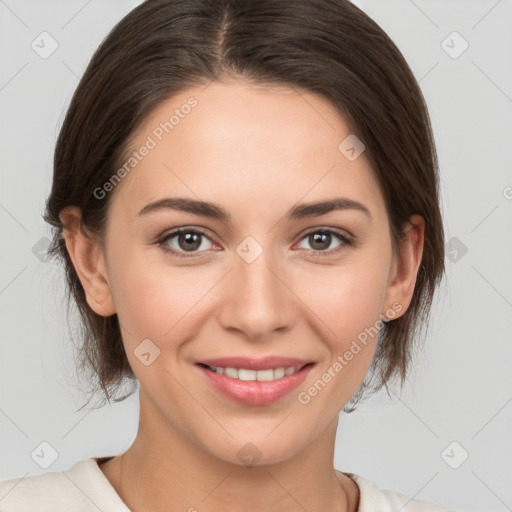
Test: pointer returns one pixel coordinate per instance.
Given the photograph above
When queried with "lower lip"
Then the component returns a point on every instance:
(255, 392)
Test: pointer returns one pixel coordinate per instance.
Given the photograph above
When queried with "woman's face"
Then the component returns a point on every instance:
(278, 287)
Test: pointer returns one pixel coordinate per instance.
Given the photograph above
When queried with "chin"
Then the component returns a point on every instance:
(259, 450)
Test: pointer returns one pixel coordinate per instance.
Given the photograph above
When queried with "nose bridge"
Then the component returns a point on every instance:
(259, 301)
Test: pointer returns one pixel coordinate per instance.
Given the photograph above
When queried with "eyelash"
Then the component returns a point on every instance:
(347, 241)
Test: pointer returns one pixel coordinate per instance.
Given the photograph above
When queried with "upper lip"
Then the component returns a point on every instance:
(249, 363)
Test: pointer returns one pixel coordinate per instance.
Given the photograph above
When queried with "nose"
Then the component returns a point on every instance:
(256, 300)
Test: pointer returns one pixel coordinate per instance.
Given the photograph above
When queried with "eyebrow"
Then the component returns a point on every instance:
(297, 212)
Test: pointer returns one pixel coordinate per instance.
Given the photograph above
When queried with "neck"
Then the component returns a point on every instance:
(164, 470)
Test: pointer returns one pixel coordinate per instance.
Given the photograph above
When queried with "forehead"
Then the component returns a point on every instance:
(246, 146)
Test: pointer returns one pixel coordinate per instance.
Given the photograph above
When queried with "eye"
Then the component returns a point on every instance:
(181, 241)
(188, 240)
(321, 239)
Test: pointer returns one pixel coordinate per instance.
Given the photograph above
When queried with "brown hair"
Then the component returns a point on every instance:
(330, 47)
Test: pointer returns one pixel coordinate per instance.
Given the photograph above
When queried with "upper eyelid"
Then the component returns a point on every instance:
(176, 231)
(336, 231)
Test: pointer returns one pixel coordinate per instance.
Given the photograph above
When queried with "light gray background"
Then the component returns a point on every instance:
(461, 388)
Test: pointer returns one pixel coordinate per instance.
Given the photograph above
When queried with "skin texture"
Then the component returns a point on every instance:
(256, 152)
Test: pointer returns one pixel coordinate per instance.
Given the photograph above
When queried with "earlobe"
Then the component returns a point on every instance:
(406, 266)
(89, 262)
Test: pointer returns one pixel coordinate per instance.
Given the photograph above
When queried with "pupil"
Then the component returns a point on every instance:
(321, 238)
(188, 238)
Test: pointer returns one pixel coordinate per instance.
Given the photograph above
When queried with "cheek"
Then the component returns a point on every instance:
(347, 303)
(157, 301)
(349, 298)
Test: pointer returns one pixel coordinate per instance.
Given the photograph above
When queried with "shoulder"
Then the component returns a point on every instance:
(371, 498)
(81, 488)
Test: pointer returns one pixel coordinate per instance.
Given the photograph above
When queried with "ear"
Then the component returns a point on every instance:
(89, 262)
(402, 279)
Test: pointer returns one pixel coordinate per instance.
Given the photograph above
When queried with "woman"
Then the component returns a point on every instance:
(289, 144)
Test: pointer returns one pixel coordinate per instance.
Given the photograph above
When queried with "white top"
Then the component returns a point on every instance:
(84, 488)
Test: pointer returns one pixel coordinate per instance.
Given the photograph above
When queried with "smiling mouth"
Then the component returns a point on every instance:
(245, 374)
(261, 385)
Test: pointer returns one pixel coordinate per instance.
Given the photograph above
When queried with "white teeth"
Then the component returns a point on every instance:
(251, 375)
(246, 374)
(279, 373)
(265, 375)
(231, 372)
